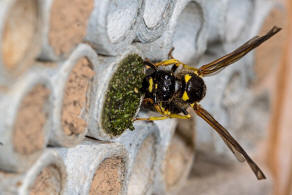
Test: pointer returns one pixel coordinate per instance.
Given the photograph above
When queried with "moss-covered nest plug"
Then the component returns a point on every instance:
(122, 98)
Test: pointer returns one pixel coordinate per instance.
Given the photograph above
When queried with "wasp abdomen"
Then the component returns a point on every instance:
(193, 88)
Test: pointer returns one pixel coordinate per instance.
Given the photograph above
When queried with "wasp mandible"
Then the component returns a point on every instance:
(171, 92)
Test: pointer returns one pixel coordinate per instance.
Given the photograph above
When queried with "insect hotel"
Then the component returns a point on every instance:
(107, 97)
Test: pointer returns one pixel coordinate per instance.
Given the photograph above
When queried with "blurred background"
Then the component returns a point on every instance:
(276, 149)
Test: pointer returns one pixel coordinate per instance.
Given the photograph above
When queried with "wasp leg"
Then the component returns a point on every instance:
(167, 113)
(176, 63)
(148, 100)
(150, 64)
(152, 118)
(174, 68)
(179, 116)
(170, 56)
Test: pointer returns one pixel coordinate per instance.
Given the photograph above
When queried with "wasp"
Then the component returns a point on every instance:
(171, 92)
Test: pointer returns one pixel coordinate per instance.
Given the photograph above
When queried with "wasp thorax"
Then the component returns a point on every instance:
(160, 85)
(193, 88)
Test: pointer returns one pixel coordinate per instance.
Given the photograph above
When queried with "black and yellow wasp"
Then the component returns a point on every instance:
(171, 92)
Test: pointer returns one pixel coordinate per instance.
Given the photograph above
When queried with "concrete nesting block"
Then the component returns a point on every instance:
(112, 25)
(216, 19)
(176, 154)
(243, 19)
(238, 19)
(73, 91)
(95, 168)
(186, 31)
(142, 145)
(107, 69)
(153, 19)
(24, 124)
(20, 24)
(47, 176)
(65, 26)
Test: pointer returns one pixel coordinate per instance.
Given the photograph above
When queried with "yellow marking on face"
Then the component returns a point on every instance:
(185, 96)
(156, 86)
(187, 77)
(150, 88)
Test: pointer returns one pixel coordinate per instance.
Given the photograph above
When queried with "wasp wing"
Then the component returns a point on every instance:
(237, 154)
(231, 142)
(219, 64)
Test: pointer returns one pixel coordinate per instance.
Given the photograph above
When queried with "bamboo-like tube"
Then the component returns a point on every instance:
(65, 26)
(73, 82)
(95, 168)
(20, 26)
(176, 154)
(24, 124)
(47, 175)
(112, 26)
(153, 19)
(142, 145)
(118, 77)
(186, 31)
